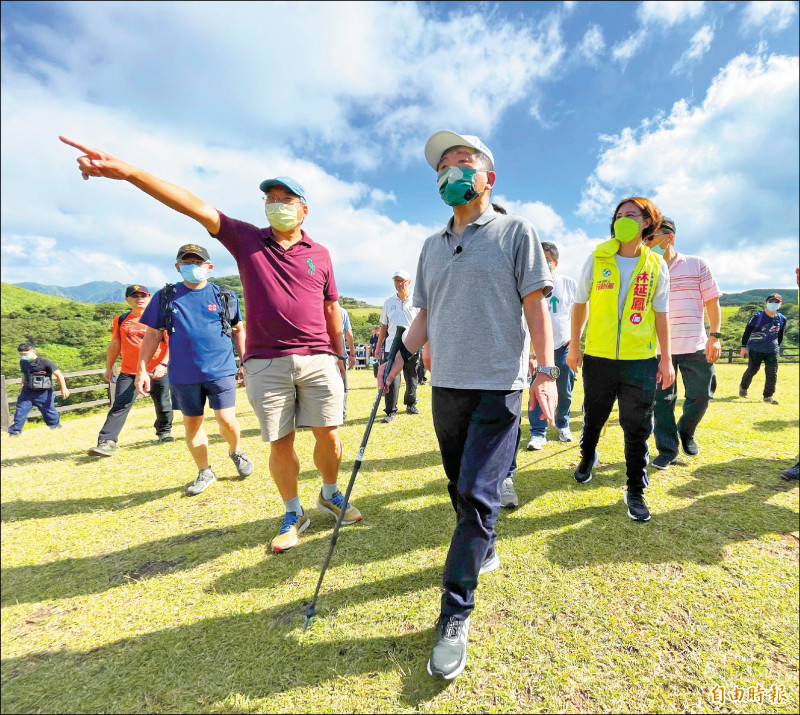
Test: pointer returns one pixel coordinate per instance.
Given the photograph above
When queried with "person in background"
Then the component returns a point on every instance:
(761, 343)
(373, 358)
(398, 310)
(623, 290)
(348, 349)
(200, 318)
(37, 389)
(127, 334)
(692, 289)
(559, 305)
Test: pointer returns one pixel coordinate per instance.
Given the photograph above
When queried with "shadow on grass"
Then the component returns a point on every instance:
(698, 532)
(20, 510)
(374, 538)
(774, 425)
(281, 659)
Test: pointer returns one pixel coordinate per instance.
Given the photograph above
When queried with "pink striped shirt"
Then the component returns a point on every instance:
(691, 286)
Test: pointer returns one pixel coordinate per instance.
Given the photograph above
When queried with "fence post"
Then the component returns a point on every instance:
(5, 414)
(730, 356)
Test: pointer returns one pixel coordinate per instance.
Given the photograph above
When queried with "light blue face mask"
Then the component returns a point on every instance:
(27, 358)
(773, 307)
(192, 273)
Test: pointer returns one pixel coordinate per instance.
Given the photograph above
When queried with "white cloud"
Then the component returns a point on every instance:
(592, 45)
(374, 76)
(768, 15)
(726, 171)
(698, 46)
(573, 245)
(668, 12)
(649, 13)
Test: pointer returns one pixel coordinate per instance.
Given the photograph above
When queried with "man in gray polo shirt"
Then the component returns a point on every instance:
(480, 282)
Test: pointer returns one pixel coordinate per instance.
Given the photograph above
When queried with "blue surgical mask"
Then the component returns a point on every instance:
(659, 250)
(27, 358)
(773, 306)
(192, 273)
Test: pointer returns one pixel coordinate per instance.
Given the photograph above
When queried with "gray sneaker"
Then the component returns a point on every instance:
(104, 448)
(564, 434)
(205, 478)
(449, 656)
(508, 496)
(244, 465)
(490, 563)
(536, 442)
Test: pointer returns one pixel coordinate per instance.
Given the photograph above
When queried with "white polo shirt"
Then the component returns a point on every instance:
(396, 312)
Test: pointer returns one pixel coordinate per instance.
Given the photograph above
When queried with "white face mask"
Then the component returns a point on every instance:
(282, 216)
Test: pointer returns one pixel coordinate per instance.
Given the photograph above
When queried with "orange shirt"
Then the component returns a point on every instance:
(130, 340)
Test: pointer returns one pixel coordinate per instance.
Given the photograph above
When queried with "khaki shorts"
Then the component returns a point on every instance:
(294, 391)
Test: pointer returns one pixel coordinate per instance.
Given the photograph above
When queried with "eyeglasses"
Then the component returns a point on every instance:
(281, 200)
(656, 234)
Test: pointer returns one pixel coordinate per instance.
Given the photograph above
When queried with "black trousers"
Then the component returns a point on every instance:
(699, 385)
(477, 433)
(123, 401)
(632, 384)
(754, 361)
(410, 375)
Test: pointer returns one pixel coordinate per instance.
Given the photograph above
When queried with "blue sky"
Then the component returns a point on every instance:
(582, 103)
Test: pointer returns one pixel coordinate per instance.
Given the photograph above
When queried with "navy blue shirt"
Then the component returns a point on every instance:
(199, 350)
(763, 334)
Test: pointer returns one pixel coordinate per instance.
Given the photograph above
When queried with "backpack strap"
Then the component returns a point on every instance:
(122, 319)
(166, 296)
(226, 303)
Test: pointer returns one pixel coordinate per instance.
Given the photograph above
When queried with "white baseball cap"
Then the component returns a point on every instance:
(401, 274)
(441, 141)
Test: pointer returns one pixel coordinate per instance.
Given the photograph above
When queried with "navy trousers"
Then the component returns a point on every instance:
(477, 432)
(27, 400)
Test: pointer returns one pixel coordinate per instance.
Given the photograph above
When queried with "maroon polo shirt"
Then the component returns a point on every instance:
(284, 290)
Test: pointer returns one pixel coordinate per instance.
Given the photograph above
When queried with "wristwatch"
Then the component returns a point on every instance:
(715, 335)
(343, 358)
(552, 372)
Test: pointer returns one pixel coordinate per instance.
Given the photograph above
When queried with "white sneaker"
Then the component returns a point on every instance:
(564, 434)
(508, 496)
(537, 441)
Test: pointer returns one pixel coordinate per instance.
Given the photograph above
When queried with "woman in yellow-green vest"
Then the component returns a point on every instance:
(624, 292)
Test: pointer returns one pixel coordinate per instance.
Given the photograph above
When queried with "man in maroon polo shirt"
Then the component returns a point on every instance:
(294, 328)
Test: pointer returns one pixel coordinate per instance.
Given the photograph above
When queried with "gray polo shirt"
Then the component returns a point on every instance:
(476, 330)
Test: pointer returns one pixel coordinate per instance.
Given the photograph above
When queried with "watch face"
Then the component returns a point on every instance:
(555, 372)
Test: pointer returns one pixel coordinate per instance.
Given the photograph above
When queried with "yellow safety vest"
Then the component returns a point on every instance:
(633, 337)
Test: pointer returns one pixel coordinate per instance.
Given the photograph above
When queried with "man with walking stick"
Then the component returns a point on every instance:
(476, 403)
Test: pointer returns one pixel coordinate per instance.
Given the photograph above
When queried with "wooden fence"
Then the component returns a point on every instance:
(5, 402)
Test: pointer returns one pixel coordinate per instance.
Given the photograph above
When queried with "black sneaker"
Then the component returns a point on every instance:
(791, 473)
(688, 444)
(742, 392)
(104, 448)
(449, 655)
(637, 508)
(389, 417)
(583, 473)
(662, 461)
(166, 438)
(412, 410)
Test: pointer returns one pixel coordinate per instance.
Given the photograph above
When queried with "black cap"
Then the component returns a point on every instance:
(136, 288)
(774, 298)
(194, 249)
(667, 225)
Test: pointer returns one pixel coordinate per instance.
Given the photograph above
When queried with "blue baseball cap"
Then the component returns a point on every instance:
(287, 182)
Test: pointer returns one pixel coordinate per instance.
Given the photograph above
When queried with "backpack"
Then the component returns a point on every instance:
(225, 295)
(38, 380)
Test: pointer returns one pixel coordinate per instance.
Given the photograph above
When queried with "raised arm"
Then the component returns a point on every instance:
(98, 163)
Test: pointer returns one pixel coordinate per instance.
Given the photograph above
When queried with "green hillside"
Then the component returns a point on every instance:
(13, 299)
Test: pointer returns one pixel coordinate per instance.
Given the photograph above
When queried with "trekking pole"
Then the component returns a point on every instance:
(311, 610)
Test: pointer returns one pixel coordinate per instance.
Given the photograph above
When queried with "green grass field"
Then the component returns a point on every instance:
(119, 594)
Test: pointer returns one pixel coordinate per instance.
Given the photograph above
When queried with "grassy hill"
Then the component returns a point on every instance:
(122, 595)
(13, 298)
(758, 295)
